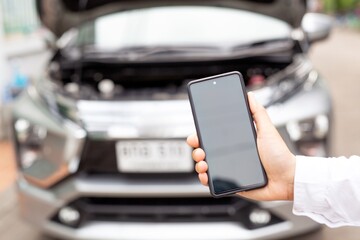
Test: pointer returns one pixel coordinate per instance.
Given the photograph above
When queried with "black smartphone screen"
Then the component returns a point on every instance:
(226, 133)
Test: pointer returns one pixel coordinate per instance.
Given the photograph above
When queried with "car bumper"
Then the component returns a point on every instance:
(38, 206)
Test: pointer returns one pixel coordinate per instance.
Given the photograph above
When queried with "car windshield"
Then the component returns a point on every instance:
(184, 26)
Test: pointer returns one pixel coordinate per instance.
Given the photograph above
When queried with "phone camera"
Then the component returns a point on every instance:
(214, 82)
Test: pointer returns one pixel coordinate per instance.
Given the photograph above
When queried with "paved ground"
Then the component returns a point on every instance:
(338, 61)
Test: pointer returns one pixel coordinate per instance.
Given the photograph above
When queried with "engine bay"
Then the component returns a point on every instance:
(95, 80)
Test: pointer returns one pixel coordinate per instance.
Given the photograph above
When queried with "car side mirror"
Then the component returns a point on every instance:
(317, 26)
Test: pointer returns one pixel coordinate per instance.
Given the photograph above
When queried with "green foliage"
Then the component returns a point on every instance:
(336, 6)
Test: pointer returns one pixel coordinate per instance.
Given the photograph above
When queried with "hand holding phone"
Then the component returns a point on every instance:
(226, 133)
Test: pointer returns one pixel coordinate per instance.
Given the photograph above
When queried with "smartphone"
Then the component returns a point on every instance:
(227, 134)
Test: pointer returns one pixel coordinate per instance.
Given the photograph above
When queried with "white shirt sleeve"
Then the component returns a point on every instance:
(328, 190)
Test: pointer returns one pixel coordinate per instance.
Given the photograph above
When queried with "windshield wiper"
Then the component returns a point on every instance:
(137, 53)
(160, 52)
(262, 47)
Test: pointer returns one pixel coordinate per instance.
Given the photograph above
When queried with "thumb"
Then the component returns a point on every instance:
(260, 116)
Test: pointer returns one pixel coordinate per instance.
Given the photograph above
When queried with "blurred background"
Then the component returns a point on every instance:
(24, 54)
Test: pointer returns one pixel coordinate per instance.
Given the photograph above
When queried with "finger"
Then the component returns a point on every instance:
(203, 177)
(201, 167)
(198, 155)
(193, 140)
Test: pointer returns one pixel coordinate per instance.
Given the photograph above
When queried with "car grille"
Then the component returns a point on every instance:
(202, 209)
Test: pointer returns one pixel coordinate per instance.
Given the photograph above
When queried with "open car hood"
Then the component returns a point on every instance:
(61, 15)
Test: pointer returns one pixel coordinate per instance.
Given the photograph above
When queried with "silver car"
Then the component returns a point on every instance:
(100, 139)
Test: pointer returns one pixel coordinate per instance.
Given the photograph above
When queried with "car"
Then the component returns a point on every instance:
(100, 138)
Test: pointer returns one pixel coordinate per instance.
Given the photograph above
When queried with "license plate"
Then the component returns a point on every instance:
(171, 156)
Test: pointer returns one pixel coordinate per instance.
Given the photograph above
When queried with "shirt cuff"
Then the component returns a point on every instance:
(311, 191)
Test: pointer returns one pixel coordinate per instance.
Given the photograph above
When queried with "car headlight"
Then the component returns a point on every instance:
(310, 135)
(48, 147)
(284, 84)
(30, 139)
(46, 156)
